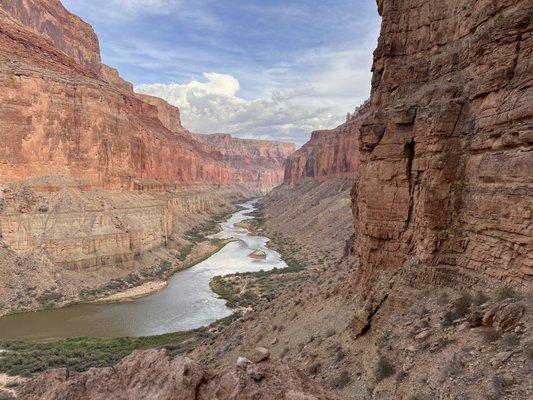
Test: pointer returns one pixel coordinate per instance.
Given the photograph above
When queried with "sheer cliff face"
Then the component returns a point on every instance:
(328, 154)
(258, 161)
(64, 113)
(447, 165)
(68, 33)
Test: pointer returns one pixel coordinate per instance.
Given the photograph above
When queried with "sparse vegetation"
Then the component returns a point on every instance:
(314, 368)
(342, 380)
(528, 349)
(511, 340)
(185, 251)
(447, 319)
(480, 298)
(505, 292)
(443, 299)
(454, 366)
(29, 358)
(384, 369)
(462, 304)
(49, 298)
(490, 335)
(401, 376)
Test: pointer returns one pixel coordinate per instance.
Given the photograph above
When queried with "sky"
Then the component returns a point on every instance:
(269, 69)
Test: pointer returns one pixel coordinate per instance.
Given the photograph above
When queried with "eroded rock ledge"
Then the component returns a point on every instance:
(153, 374)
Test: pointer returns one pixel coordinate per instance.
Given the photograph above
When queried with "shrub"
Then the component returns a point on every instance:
(511, 339)
(401, 376)
(384, 369)
(424, 310)
(499, 385)
(314, 369)
(528, 349)
(490, 335)
(505, 292)
(462, 304)
(447, 319)
(480, 298)
(443, 299)
(454, 366)
(342, 380)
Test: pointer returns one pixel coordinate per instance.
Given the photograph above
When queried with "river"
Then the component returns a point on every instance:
(186, 303)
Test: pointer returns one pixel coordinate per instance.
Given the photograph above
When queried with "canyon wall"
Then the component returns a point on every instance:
(447, 162)
(259, 162)
(92, 175)
(64, 113)
(329, 153)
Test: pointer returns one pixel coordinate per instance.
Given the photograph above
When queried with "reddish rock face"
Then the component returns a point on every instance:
(447, 165)
(64, 113)
(152, 374)
(259, 161)
(52, 21)
(328, 154)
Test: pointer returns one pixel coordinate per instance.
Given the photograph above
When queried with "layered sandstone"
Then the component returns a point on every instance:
(329, 153)
(92, 175)
(447, 162)
(64, 113)
(153, 374)
(260, 162)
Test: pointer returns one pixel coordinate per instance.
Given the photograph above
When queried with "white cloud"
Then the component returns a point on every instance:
(214, 106)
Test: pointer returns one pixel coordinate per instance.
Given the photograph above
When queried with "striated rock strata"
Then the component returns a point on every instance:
(64, 113)
(257, 162)
(447, 161)
(329, 153)
(92, 175)
(153, 374)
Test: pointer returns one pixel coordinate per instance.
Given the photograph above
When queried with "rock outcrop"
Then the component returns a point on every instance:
(62, 112)
(153, 374)
(446, 153)
(330, 153)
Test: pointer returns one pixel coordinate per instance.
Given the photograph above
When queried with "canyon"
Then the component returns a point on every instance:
(97, 181)
(407, 229)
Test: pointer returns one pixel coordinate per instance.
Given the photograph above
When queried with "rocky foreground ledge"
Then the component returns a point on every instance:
(154, 374)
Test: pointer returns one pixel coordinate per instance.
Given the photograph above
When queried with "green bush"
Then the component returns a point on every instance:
(27, 358)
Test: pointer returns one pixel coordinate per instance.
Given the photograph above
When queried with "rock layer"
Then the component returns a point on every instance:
(447, 162)
(329, 153)
(259, 162)
(153, 374)
(64, 113)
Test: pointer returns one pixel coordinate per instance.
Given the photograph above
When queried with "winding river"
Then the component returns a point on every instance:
(186, 303)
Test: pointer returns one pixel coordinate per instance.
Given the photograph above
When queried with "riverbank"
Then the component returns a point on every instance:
(133, 282)
(203, 251)
(29, 357)
(145, 236)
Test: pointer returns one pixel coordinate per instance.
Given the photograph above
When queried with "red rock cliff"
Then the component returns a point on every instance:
(330, 153)
(447, 162)
(64, 113)
(259, 161)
